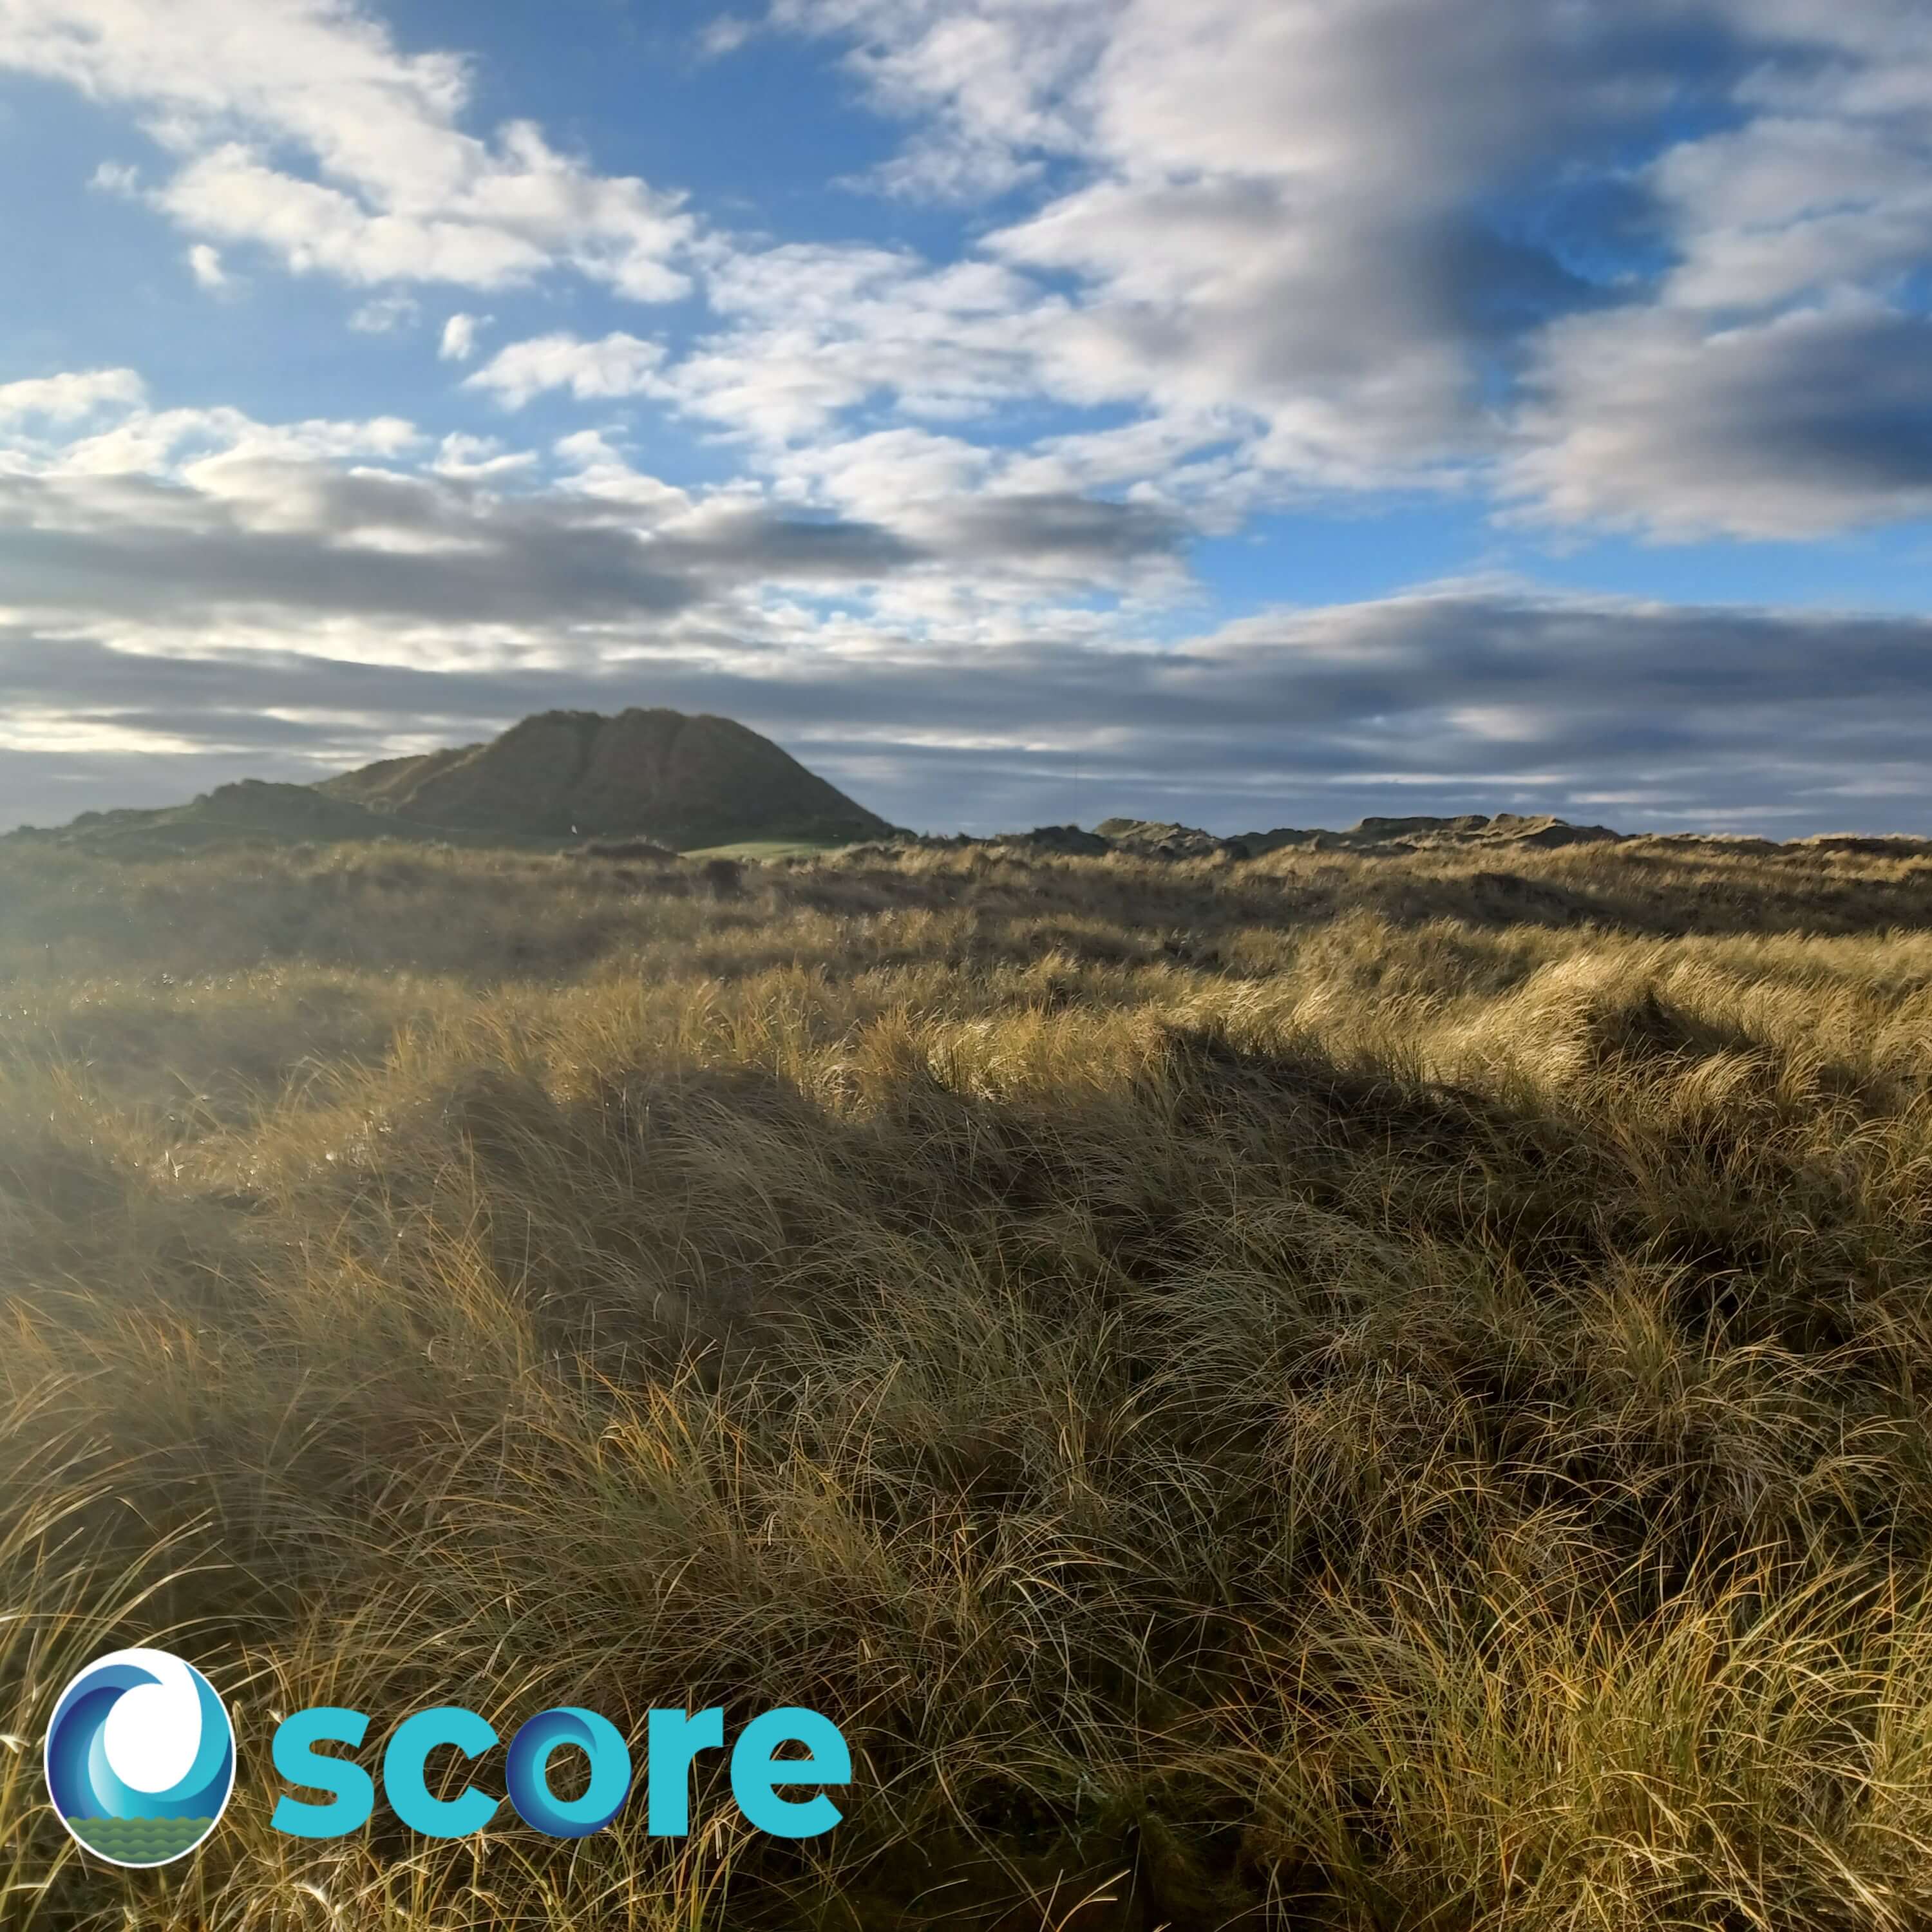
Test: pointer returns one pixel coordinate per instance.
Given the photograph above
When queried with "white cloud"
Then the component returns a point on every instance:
(67, 398)
(1281, 233)
(1280, 250)
(987, 84)
(121, 459)
(459, 338)
(594, 468)
(1774, 386)
(386, 315)
(320, 229)
(399, 190)
(617, 365)
(205, 264)
(1673, 426)
(475, 459)
(815, 330)
(724, 36)
(1262, 250)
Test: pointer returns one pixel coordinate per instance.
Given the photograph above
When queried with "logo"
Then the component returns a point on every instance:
(140, 1765)
(674, 1740)
(140, 1758)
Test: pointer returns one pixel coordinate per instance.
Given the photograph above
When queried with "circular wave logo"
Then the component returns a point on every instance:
(140, 1757)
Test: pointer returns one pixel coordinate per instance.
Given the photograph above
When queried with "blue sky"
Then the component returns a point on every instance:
(1259, 412)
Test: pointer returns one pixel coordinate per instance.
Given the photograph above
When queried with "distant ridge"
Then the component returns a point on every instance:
(1506, 831)
(658, 783)
(1151, 838)
(688, 781)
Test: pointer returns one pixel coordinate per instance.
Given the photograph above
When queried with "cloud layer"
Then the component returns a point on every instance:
(1658, 269)
(1588, 253)
(1461, 697)
(1579, 253)
(291, 599)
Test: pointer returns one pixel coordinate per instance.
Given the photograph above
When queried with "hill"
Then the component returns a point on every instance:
(686, 781)
(253, 811)
(689, 783)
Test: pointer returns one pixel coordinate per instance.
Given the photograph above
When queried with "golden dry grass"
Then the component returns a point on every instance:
(1337, 1391)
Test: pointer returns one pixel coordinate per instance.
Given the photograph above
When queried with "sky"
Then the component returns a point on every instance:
(1251, 412)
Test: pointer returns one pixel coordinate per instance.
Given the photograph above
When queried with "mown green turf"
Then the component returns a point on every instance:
(764, 849)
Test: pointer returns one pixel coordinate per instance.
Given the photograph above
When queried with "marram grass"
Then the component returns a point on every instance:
(1331, 1392)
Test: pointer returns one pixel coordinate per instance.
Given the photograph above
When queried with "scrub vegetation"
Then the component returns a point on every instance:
(1326, 1390)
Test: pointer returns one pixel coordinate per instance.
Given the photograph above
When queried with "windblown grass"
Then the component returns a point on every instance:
(1343, 1393)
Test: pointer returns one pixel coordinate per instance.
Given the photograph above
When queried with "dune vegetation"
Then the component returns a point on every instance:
(1328, 1390)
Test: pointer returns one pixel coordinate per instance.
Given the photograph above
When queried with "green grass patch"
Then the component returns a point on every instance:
(763, 850)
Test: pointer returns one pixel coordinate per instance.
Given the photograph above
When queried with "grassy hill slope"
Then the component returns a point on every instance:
(252, 812)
